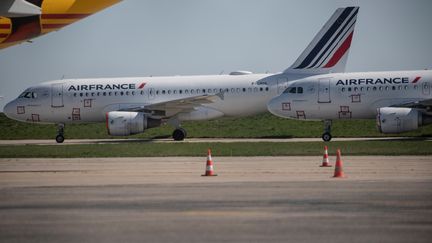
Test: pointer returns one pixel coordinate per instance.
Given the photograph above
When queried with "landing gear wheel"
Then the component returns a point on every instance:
(60, 139)
(60, 131)
(179, 134)
(326, 137)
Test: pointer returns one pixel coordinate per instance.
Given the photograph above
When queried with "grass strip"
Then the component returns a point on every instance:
(219, 149)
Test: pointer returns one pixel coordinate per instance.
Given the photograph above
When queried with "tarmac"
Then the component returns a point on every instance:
(253, 199)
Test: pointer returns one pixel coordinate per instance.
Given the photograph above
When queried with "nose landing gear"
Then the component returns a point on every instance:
(327, 131)
(60, 133)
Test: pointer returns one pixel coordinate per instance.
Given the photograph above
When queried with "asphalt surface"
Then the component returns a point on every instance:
(196, 140)
(253, 199)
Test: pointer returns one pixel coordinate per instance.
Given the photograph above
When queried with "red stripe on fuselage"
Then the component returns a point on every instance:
(416, 80)
(53, 26)
(141, 85)
(5, 26)
(340, 52)
(64, 16)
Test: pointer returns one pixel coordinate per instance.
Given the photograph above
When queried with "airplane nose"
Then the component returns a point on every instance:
(9, 109)
(275, 106)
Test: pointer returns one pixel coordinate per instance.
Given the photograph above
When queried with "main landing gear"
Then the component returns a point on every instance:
(60, 133)
(327, 131)
(179, 134)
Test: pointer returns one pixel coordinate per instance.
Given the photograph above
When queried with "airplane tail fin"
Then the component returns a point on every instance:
(328, 51)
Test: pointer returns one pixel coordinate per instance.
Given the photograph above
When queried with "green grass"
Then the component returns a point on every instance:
(261, 126)
(410, 147)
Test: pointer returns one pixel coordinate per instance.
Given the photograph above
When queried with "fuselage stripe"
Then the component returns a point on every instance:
(331, 31)
(340, 52)
(343, 30)
(64, 16)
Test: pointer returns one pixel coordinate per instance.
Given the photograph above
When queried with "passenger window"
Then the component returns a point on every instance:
(349, 89)
(355, 89)
(343, 89)
(393, 87)
(368, 88)
(267, 89)
(374, 88)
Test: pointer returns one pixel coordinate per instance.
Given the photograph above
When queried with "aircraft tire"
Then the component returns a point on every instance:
(60, 139)
(326, 137)
(179, 134)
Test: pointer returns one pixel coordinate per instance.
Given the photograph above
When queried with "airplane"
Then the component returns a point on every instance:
(22, 20)
(131, 105)
(400, 101)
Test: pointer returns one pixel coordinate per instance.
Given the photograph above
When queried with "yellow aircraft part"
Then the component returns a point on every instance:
(5, 28)
(56, 14)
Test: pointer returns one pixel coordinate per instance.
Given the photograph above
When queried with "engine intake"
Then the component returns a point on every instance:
(125, 123)
(398, 120)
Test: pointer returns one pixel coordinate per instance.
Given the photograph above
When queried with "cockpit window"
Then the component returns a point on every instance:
(28, 95)
(291, 90)
(294, 90)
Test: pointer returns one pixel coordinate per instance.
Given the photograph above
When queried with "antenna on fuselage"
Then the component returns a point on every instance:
(221, 72)
(63, 77)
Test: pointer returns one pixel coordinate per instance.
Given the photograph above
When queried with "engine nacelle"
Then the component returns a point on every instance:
(398, 120)
(125, 123)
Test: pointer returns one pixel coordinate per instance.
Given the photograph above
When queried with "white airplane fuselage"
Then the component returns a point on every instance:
(351, 95)
(88, 100)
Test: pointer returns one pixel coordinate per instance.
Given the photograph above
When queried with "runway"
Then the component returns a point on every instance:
(253, 199)
(196, 140)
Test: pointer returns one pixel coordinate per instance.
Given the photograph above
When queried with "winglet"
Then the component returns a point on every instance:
(328, 51)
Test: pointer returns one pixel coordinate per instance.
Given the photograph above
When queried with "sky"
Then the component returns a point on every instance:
(193, 37)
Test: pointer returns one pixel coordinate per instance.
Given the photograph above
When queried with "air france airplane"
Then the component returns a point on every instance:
(132, 105)
(400, 101)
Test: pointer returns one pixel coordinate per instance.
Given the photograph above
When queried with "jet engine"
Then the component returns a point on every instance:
(125, 123)
(398, 120)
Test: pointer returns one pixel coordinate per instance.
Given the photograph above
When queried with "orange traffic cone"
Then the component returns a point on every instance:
(338, 167)
(209, 167)
(325, 162)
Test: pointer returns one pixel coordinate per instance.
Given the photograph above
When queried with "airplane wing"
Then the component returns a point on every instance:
(421, 104)
(170, 108)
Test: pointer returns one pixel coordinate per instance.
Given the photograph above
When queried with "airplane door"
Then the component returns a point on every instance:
(282, 85)
(57, 95)
(324, 90)
(426, 87)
